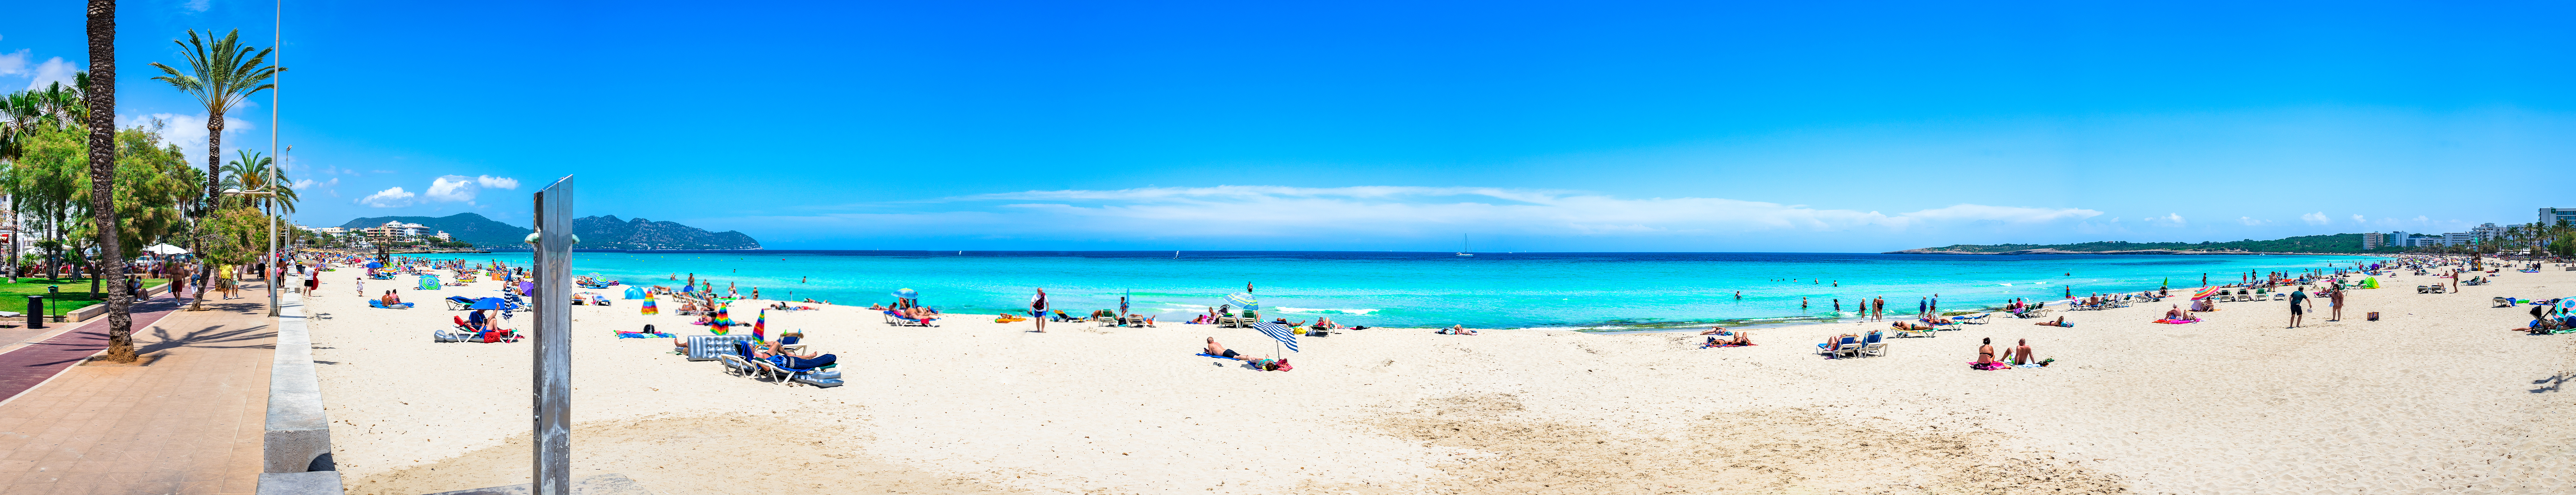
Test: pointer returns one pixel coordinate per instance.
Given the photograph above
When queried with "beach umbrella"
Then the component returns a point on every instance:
(1278, 332)
(489, 303)
(724, 318)
(649, 308)
(634, 292)
(1244, 300)
(2204, 292)
(906, 294)
(760, 326)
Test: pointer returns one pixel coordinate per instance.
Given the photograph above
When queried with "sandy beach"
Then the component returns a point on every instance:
(2437, 397)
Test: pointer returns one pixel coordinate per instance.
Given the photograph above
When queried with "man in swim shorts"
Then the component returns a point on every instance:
(1216, 349)
(2297, 297)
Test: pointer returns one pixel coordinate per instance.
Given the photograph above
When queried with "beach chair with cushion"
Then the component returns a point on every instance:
(1876, 343)
(892, 318)
(1978, 319)
(821, 376)
(1849, 344)
(456, 303)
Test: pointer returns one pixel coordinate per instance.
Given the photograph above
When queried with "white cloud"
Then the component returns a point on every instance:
(1270, 211)
(304, 184)
(2251, 221)
(2356, 218)
(452, 188)
(12, 64)
(189, 132)
(389, 198)
(2318, 218)
(52, 71)
(2168, 220)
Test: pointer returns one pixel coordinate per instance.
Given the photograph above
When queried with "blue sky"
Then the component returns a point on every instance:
(1689, 126)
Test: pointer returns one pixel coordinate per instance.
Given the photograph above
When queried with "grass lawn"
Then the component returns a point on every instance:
(75, 295)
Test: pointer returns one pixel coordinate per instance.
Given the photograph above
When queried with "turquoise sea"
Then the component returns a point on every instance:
(1596, 291)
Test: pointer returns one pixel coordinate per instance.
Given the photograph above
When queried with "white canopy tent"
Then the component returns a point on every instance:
(165, 249)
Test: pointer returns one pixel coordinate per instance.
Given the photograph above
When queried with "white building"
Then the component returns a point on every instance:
(2551, 216)
(442, 236)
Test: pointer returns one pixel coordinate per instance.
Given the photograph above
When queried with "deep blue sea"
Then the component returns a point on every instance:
(1600, 291)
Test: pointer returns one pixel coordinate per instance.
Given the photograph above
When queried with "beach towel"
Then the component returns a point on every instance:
(1705, 346)
(2031, 365)
(1989, 366)
(642, 335)
(2177, 322)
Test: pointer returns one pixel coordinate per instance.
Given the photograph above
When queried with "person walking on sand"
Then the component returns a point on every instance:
(2334, 301)
(2297, 297)
(361, 282)
(1038, 308)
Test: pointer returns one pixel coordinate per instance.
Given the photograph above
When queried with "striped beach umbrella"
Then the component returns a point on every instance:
(649, 309)
(1278, 332)
(760, 326)
(2204, 292)
(1244, 300)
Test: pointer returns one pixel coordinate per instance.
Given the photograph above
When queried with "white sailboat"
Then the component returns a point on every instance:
(1462, 245)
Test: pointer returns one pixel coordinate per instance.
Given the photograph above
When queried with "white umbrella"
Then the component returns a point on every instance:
(165, 249)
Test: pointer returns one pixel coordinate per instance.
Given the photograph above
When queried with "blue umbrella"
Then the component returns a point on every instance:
(489, 303)
(372, 264)
(1244, 300)
(906, 294)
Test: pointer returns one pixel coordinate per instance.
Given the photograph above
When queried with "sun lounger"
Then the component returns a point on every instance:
(1876, 343)
(892, 318)
(1848, 345)
(1915, 332)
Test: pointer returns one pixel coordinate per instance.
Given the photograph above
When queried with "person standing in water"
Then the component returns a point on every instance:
(1802, 303)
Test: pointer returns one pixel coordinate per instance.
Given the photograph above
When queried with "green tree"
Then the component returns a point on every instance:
(255, 172)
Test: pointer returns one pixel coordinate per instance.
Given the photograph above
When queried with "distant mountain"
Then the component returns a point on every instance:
(2329, 243)
(600, 232)
(464, 227)
(608, 232)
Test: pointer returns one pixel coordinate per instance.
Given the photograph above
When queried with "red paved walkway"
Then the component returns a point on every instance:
(30, 366)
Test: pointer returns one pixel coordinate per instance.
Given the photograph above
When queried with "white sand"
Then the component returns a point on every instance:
(2437, 398)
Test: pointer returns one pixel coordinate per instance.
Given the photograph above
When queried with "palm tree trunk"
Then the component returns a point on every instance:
(214, 179)
(102, 178)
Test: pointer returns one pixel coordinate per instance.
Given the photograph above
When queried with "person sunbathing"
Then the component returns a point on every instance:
(1741, 338)
(808, 360)
(1938, 320)
(2061, 322)
(391, 298)
(1910, 326)
(2020, 353)
(1716, 331)
(1986, 351)
(1325, 323)
(1457, 330)
(1219, 350)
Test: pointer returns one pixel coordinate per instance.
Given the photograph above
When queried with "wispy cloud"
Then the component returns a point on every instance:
(2251, 221)
(2318, 218)
(14, 64)
(2357, 218)
(53, 70)
(392, 197)
(453, 188)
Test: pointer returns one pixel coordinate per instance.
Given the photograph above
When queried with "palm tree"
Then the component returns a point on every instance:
(220, 76)
(101, 109)
(255, 172)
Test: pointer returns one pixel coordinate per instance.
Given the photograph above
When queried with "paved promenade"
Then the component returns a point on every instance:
(188, 420)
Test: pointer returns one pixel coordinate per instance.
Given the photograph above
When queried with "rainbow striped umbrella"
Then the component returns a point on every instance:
(760, 326)
(649, 309)
(2204, 292)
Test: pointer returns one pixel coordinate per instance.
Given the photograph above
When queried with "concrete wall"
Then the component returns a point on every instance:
(298, 439)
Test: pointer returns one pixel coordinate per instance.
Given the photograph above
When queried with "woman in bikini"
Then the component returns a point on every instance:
(1986, 351)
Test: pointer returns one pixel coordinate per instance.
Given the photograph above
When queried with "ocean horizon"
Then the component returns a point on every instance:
(1600, 291)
